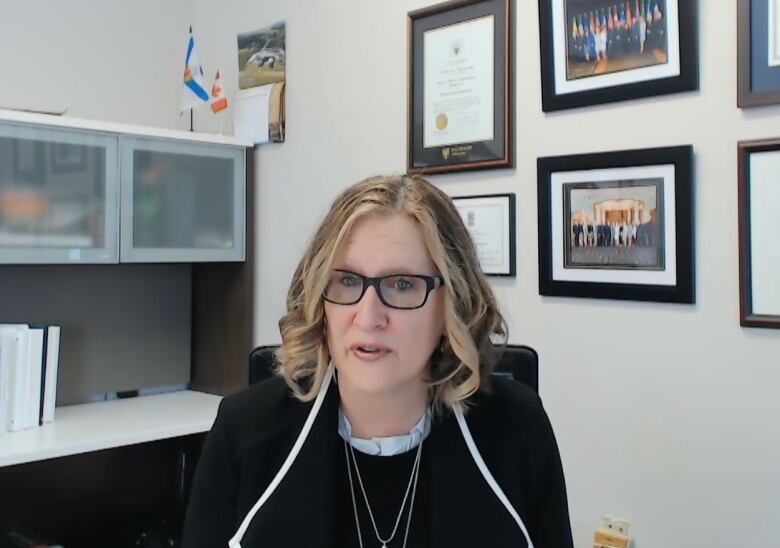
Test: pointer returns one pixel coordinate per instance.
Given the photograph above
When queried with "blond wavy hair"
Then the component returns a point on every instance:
(463, 362)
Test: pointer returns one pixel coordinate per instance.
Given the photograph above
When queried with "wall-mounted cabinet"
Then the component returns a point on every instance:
(59, 195)
(71, 193)
(181, 202)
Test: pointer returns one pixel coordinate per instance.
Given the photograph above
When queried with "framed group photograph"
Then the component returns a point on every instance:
(460, 87)
(759, 247)
(617, 225)
(758, 52)
(601, 51)
(490, 220)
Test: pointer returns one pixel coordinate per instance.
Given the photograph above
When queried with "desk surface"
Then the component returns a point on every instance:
(103, 425)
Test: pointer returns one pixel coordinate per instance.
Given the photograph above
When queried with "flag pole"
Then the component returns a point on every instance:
(192, 109)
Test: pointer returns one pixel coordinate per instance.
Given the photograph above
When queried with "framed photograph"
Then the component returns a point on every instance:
(460, 87)
(67, 157)
(490, 219)
(261, 56)
(758, 52)
(759, 247)
(617, 225)
(601, 51)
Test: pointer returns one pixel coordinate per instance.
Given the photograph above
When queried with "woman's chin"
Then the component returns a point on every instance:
(372, 378)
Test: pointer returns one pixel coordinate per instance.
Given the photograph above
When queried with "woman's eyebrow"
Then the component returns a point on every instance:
(386, 271)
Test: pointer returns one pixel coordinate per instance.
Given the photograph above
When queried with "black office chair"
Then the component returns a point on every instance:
(262, 361)
(519, 362)
(516, 361)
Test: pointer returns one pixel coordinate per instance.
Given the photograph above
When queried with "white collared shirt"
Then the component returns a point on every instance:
(389, 445)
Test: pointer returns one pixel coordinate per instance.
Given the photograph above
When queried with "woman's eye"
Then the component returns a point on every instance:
(402, 284)
(350, 281)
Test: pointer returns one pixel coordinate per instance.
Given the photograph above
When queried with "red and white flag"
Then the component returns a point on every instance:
(218, 99)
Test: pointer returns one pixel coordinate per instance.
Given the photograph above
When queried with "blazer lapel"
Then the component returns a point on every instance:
(301, 511)
(462, 509)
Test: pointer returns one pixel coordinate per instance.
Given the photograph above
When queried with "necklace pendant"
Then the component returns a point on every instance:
(384, 545)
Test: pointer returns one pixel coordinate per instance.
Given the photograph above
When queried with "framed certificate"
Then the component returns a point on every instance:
(460, 86)
(758, 52)
(759, 251)
(491, 221)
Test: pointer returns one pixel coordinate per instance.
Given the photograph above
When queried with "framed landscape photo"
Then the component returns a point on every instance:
(490, 219)
(617, 225)
(460, 87)
(759, 246)
(601, 51)
(758, 52)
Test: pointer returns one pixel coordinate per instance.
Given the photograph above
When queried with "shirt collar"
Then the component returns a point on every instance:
(389, 445)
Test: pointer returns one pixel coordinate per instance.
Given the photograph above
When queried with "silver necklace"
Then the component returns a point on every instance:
(349, 452)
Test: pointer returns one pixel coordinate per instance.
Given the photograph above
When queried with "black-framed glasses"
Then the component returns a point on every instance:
(402, 291)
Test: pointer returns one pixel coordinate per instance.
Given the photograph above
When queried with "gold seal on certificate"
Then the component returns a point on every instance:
(441, 121)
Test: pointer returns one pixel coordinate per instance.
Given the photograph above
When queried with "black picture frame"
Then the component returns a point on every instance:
(606, 268)
(584, 85)
(748, 315)
(758, 81)
(508, 267)
(497, 152)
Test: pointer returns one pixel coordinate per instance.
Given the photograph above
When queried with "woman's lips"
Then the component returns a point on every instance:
(364, 353)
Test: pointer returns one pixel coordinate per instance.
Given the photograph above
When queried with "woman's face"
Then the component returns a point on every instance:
(376, 349)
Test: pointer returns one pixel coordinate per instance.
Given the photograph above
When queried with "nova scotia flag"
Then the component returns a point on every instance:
(193, 93)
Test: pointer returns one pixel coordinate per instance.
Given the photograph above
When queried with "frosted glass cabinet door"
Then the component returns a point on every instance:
(181, 202)
(59, 195)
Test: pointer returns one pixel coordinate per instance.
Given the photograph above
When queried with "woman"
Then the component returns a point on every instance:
(362, 440)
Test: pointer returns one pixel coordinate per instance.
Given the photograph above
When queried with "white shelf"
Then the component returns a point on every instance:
(95, 426)
(127, 129)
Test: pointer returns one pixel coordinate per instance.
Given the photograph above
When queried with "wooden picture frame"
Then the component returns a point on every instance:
(759, 257)
(596, 51)
(617, 225)
(460, 87)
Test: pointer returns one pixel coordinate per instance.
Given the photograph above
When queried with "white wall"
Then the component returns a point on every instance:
(104, 60)
(665, 414)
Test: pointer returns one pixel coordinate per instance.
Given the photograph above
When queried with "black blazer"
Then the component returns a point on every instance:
(256, 428)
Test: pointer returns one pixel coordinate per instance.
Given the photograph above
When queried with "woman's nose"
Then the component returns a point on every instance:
(371, 311)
